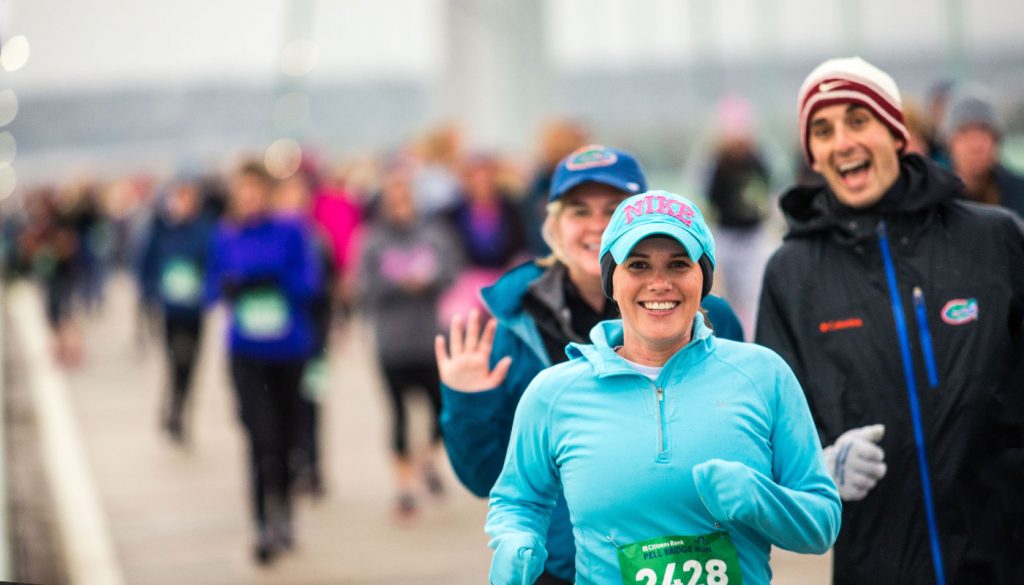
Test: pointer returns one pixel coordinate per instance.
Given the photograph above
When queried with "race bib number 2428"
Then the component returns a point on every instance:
(707, 559)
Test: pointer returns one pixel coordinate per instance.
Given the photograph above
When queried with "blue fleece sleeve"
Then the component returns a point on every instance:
(148, 265)
(798, 508)
(476, 425)
(525, 493)
(301, 279)
(214, 269)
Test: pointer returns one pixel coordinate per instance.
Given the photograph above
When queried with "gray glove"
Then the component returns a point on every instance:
(856, 462)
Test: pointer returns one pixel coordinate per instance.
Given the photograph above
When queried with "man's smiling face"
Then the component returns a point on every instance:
(855, 152)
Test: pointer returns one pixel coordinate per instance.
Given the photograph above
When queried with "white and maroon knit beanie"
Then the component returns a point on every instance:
(846, 80)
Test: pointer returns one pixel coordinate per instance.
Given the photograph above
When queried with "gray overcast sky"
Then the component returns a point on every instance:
(97, 43)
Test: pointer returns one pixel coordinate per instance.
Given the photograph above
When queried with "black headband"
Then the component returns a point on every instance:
(608, 267)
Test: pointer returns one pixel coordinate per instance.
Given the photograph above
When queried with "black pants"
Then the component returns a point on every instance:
(308, 440)
(181, 338)
(400, 380)
(59, 296)
(268, 397)
(546, 579)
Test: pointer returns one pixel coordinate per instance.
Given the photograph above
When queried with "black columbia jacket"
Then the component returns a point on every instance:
(923, 290)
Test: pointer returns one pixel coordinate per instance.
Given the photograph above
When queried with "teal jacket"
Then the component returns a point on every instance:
(476, 426)
(721, 441)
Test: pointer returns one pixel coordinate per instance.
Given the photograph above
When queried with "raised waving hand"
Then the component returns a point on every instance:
(467, 367)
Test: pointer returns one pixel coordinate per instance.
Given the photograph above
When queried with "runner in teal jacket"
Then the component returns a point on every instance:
(538, 309)
(699, 465)
(476, 426)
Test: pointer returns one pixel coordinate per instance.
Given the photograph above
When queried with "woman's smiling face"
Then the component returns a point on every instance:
(584, 216)
(658, 289)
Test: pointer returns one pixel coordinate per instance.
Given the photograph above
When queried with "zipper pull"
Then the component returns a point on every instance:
(926, 338)
(661, 393)
(882, 232)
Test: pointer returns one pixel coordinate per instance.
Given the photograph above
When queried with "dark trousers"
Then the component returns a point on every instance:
(400, 380)
(546, 579)
(181, 338)
(308, 441)
(268, 398)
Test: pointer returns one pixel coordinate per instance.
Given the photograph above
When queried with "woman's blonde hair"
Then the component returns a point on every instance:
(551, 233)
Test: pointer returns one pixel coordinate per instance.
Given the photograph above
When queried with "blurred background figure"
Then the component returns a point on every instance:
(739, 194)
(49, 247)
(267, 272)
(936, 104)
(81, 203)
(406, 262)
(293, 201)
(973, 134)
(435, 181)
(918, 127)
(489, 231)
(171, 275)
(336, 208)
(558, 138)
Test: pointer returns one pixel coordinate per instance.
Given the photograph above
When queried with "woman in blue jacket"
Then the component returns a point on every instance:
(172, 270)
(538, 308)
(681, 456)
(266, 270)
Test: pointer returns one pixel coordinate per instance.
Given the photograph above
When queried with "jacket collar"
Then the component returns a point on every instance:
(549, 288)
(921, 187)
(504, 298)
(607, 335)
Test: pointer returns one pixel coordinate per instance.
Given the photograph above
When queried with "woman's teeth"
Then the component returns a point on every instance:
(660, 306)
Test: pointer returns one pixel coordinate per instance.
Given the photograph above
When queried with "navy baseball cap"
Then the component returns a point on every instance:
(598, 164)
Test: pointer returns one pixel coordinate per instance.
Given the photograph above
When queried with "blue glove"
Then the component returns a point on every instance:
(518, 559)
(724, 487)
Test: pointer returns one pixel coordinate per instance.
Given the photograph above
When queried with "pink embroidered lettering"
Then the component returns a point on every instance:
(664, 206)
(634, 210)
(685, 213)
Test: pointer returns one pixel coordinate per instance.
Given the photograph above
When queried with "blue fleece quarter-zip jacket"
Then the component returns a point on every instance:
(476, 425)
(268, 273)
(173, 264)
(721, 441)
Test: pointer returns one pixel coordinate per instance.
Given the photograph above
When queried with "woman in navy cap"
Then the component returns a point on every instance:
(538, 307)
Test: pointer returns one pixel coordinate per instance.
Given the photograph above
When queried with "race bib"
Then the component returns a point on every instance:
(707, 559)
(180, 283)
(314, 379)
(262, 314)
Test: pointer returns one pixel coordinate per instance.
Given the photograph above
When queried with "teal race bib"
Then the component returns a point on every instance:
(707, 559)
(180, 283)
(262, 314)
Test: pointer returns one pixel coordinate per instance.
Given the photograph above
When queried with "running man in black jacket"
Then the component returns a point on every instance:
(900, 306)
